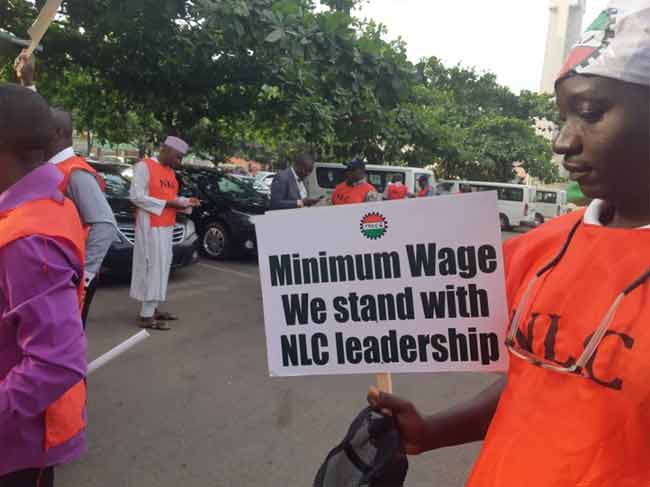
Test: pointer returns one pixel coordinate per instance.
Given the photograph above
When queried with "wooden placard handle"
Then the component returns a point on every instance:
(385, 383)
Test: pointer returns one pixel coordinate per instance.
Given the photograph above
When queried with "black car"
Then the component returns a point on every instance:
(120, 256)
(224, 221)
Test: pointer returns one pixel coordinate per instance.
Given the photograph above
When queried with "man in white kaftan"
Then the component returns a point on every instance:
(155, 196)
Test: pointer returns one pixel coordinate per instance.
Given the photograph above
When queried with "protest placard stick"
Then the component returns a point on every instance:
(117, 351)
(38, 29)
(385, 382)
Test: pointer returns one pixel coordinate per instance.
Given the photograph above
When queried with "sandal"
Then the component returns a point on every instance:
(153, 325)
(166, 316)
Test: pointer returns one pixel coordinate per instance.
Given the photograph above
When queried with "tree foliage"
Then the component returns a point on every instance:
(260, 78)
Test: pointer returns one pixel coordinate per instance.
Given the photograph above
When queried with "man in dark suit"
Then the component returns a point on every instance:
(289, 188)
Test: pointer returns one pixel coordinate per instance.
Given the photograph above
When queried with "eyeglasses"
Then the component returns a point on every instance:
(594, 342)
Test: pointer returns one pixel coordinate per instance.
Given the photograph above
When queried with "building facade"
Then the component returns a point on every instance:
(564, 30)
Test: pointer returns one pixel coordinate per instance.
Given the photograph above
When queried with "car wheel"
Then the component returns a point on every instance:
(505, 223)
(215, 242)
(539, 219)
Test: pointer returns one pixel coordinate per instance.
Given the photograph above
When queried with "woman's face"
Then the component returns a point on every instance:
(605, 139)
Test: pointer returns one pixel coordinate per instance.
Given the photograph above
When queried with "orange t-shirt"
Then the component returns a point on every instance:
(344, 194)
(397, 191)
(559, 430)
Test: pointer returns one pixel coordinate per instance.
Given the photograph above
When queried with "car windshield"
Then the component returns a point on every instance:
(235, 186)
(116, 185)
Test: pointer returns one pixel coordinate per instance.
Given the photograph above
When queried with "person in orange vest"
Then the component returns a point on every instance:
(42, 342)
(84, 186)
(355, 188)
(396, 190)
(573, 408)
(154, 192)
(426, 189)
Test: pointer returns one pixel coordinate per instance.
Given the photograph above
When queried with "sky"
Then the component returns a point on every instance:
(507, 37)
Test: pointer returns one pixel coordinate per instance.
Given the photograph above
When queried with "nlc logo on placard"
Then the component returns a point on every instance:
(374, 226)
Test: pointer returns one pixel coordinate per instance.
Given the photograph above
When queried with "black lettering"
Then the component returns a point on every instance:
(280, 270)
(440, 352)
(447, 262)
(387, 265)
(296, 307)
(549, 343)
(342, 315)
(408, 348)
(451, 302)
(489, 348)
(457, 346)
(467, 262)
(405, 309)
(344, 266)
(478, 298)
(433, 304)
(340, 350)
(389, 347)
(368, 308)
(289, 347)
(353, 350)
(461, 296)
(423, 342)
(473, 344)
(310, 271)
(617, 382)
(353, 300)
(387, 309)
(318, 314)
(297, 274)
(304, 353)
(371, 353)
(319, 341)
(422, 259)
(487, 259)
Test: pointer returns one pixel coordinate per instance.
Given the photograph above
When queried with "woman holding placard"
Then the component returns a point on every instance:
(574, 409)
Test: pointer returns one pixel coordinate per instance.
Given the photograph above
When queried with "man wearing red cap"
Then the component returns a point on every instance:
(154, 192)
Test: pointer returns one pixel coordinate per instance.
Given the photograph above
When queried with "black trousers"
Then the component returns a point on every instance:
(29, 478)
(90, 294)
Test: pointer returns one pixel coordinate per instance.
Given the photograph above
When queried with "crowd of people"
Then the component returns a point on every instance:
(573, 407)
(289, 189)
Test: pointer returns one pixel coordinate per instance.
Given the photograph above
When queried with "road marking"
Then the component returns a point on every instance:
(229, 271)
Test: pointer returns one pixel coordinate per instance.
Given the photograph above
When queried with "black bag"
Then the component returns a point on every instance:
(369, 456)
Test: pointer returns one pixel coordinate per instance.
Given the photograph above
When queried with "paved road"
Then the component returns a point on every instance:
(194, 407)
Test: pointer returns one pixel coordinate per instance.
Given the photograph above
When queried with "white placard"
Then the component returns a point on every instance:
(396, 286)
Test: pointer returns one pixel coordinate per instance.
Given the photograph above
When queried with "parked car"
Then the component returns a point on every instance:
(515, 200)
(120, 256)
(258, 185)
(265, 178)
(225, 219)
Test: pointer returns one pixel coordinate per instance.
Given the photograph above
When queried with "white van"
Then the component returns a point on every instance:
(326, 176)
(547, 204)
(515, 200)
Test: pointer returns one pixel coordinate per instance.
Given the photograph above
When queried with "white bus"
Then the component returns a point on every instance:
(515, 200)
(326, 176)
(547, 204)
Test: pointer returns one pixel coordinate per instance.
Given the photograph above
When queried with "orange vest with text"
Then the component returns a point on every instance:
(344, 194)
(64, 419)
(76, 163)
(164, 186)
(556, 429)
(397, 191)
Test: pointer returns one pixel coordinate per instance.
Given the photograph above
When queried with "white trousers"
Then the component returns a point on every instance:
(148, 309)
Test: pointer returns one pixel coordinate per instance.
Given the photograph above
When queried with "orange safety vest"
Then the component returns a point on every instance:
(64, 419)
(397, 191)
(424, 192)
(344, 194)
(76, 163)
(164, 186)
(564, 430)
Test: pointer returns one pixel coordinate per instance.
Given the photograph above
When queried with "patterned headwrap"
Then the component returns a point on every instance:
(616, 45)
